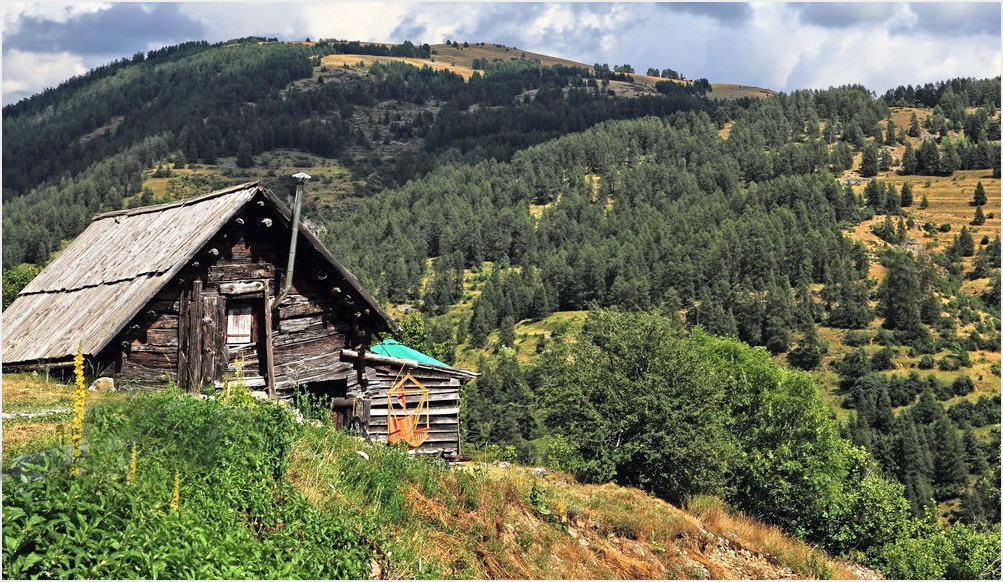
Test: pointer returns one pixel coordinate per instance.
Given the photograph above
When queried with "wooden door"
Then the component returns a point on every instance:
(201, 338)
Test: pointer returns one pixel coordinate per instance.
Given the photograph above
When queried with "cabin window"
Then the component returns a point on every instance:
(239, 324)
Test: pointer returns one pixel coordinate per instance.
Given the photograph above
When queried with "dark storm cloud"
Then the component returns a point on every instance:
(731, 13)
(842, 15)
(958, 18)
(939, 19)
(120, 29)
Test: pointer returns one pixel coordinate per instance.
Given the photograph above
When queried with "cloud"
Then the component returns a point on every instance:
(946, 19)
(958, 18)
(25, 73)
(731, 13)
(843, 14)
(117, 30)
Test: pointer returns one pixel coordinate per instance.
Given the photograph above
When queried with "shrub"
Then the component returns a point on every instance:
(236, 516)
(949, 364)
(856, 338)
(962, 385)
(926, 362)
(882, 359)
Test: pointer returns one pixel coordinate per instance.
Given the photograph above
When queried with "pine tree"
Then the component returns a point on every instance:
(979, 218)
(890, 133)
(905, 197)
(913, 464)
(949, 471)
(972, 510)
(874, 195)
(975, 458)
(914, 129)
(869, 164)
(885, 160)
(883, 417)
(929, 158)
(979, 198)
(910, 161)
(899, 296)
(506, 332)
(965, 244)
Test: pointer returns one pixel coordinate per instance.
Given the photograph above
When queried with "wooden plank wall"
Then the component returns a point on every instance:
(309, 328)
(149, 356)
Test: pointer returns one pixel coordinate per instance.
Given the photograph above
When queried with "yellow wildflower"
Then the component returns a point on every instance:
(79, 407)
(176, 495)
(133, 464)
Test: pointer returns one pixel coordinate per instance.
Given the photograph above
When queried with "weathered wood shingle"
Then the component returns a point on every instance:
(109, 272)
(106, 276)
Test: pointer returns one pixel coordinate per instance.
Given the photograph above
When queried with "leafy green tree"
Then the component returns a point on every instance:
(623, 395)
(15, 279)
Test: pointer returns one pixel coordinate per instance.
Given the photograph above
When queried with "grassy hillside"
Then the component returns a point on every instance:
(422, 519)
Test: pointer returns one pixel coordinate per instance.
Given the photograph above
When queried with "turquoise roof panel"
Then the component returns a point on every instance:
(395, 349)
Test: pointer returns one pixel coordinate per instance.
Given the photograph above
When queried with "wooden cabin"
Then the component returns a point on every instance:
(186, 292)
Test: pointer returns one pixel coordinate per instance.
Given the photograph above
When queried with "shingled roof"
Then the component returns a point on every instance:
(102, 280)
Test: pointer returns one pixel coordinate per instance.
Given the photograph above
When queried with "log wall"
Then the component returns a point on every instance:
(245, 261)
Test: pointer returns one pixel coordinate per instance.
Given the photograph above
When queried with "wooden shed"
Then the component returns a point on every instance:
(186, 292)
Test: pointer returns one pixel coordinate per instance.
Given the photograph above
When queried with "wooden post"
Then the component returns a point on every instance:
(269, 351)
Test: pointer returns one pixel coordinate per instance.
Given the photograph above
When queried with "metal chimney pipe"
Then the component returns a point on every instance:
(287, 282)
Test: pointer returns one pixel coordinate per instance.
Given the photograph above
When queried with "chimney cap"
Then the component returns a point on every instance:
(301, 177)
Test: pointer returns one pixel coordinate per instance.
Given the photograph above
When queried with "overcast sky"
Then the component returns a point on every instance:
(779, 46)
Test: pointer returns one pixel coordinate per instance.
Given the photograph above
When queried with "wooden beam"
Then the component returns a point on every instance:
(240, 287)
(269, 348)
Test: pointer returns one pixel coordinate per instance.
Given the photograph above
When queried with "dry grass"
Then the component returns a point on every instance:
(902, 116)
(767, 539)
(368, 60)
(949, 198)
(464, 57)
(24, 438)
(34, 390)
(732, 91)
(461, 61)
(491, 522)
(35, 393)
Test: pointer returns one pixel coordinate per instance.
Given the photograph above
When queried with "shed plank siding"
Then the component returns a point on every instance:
(443, 406)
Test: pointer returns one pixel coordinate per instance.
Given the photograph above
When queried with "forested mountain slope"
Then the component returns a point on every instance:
(523, 214)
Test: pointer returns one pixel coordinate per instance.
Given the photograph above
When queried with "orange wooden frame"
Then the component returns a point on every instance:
(404, 424)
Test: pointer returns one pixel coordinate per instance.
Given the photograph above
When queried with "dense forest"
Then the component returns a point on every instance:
(688, 227)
